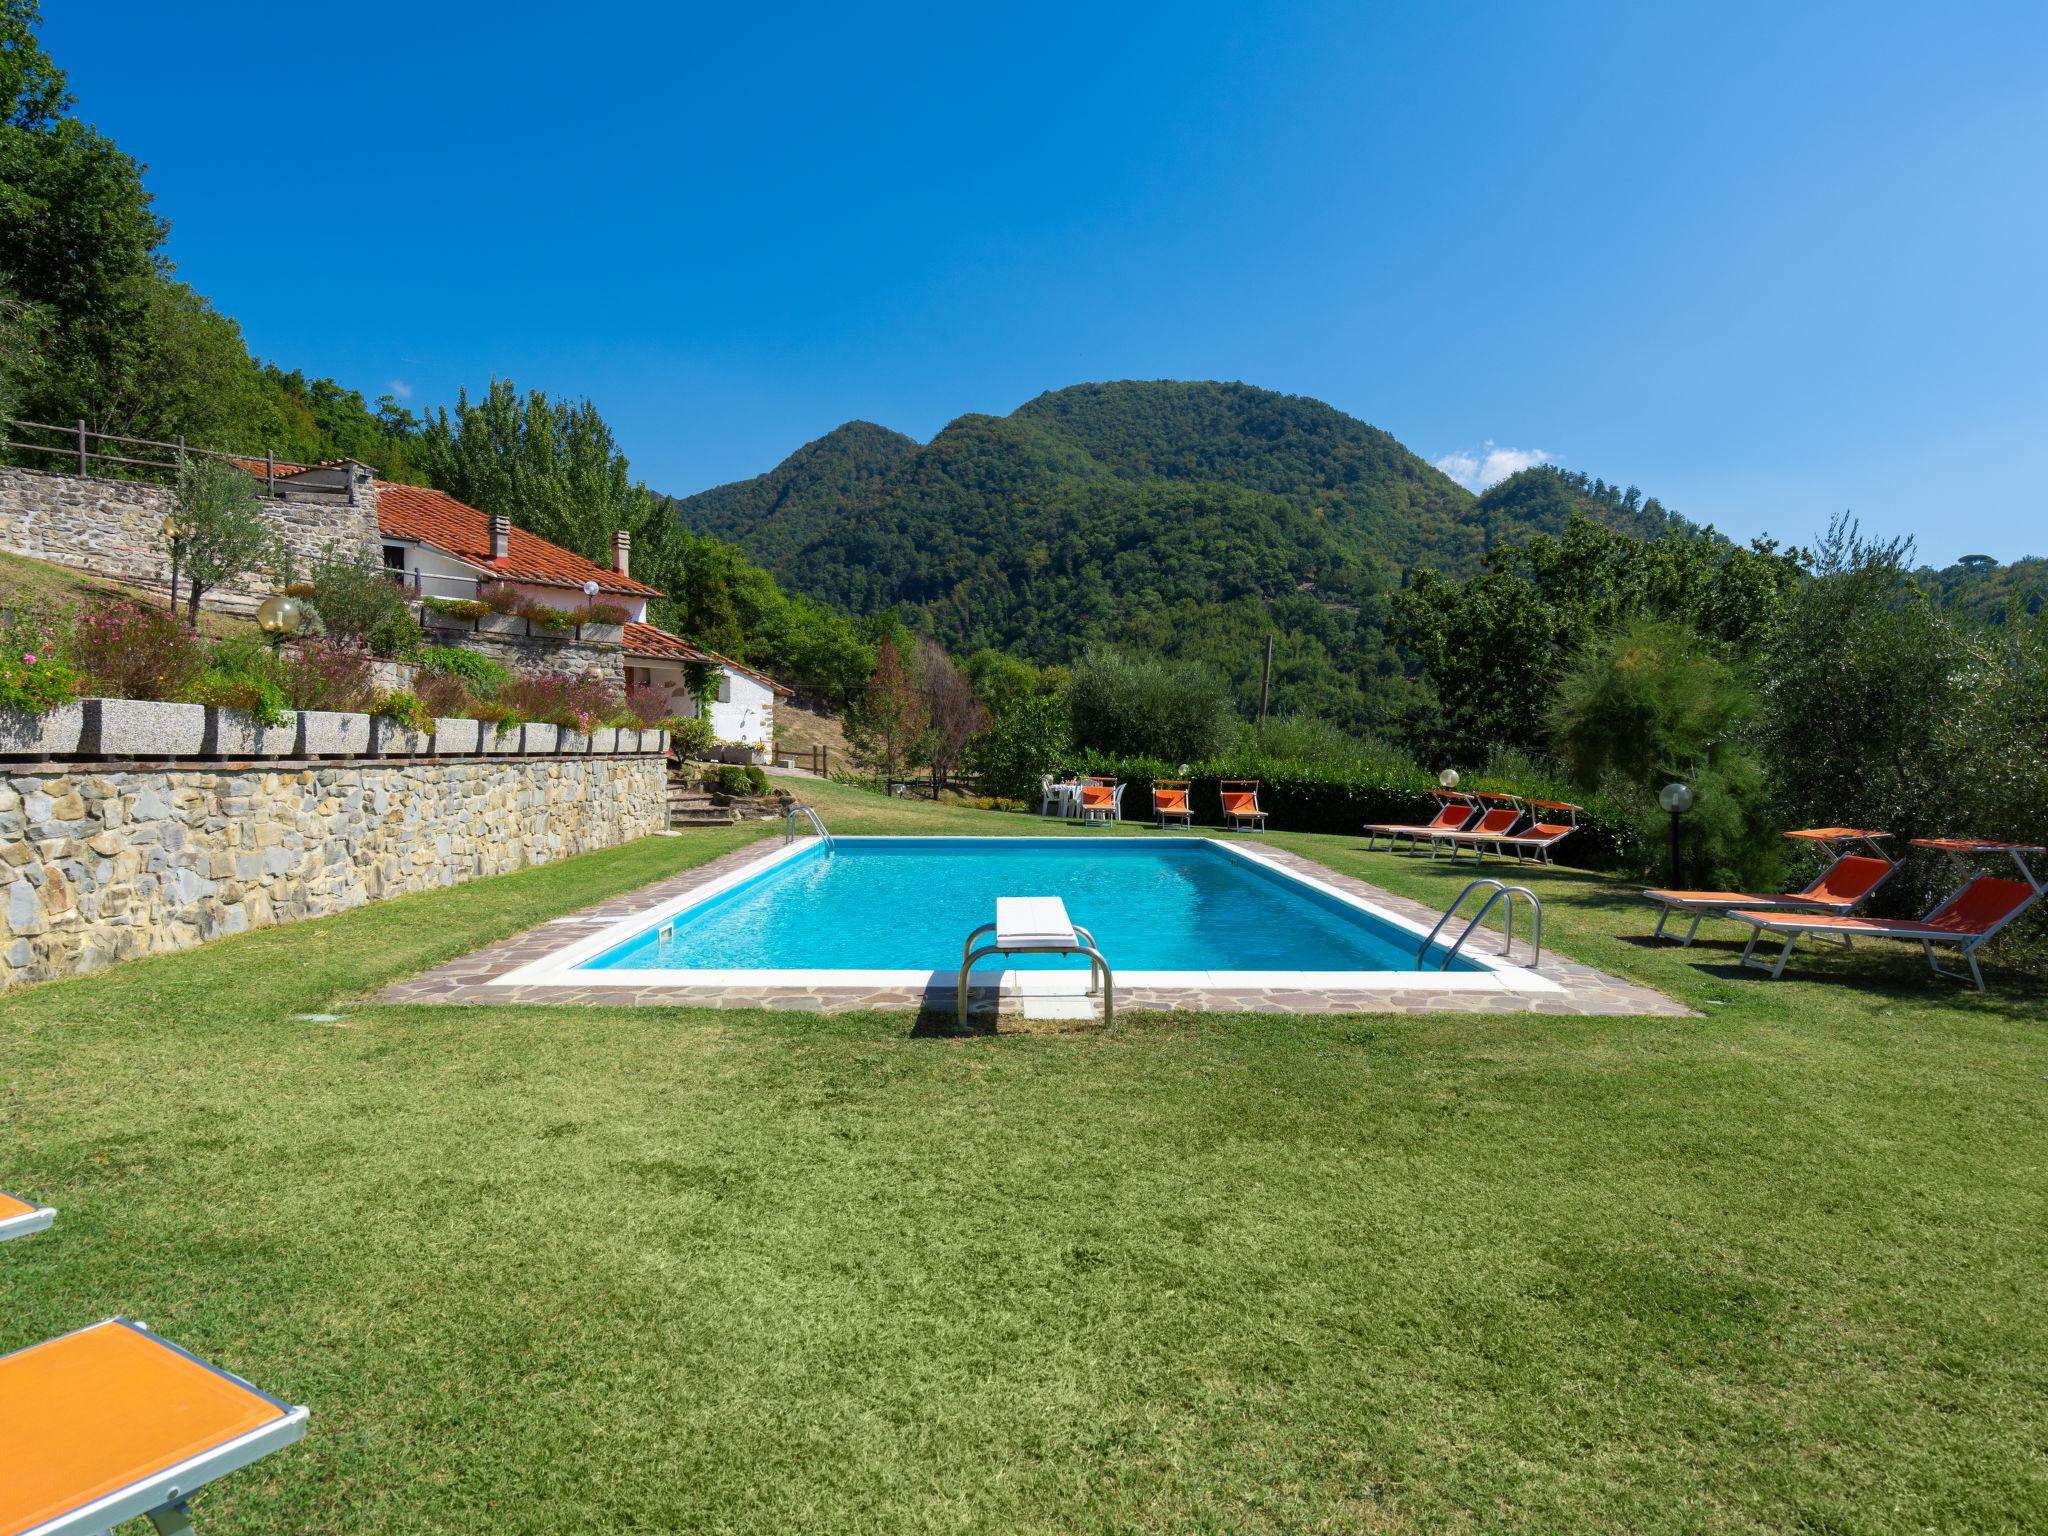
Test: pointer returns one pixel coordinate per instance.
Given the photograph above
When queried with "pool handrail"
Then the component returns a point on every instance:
(809, 814)
(1501, 890)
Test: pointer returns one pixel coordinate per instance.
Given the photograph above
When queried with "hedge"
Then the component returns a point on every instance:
(1342, 799)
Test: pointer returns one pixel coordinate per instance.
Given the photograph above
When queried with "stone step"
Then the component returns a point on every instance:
(701, 816)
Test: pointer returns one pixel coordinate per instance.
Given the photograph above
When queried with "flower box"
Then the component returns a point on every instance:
(394, 738)
(431, 619)
(501, 624)
(46, 733)
(460, 738)
(236, 733)
(601, 634)
(574, 743)
(144, 728)
(332, 733)
(538, 739)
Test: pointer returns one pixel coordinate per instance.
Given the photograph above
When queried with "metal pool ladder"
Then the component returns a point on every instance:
(1500, 890)
(807, 813)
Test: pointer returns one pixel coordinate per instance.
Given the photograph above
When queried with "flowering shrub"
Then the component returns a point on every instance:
(576, 703)
(457, 607)
(547, 617)
(257, 696)
(404, 709)
(688, 734)
(648, 705)
(604, 613)
(32, 679)
(329, 674)
(443, 694)
(129, 651)
(499, 597)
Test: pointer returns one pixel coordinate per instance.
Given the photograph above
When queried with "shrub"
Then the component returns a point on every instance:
(32, 678)
(757, 779)
(574, 703)
(129, 651)
(474, 669)
(647, 704)
(1140, 706)
(245, 675)
(1027, 738)
(329, 674)
(403, 708)
(688, 734)
(443, 694)
(605, 613)
(500, 598)
(547, 616)
(493, 712)
(738, 779)
(456, 607)
(356, 599)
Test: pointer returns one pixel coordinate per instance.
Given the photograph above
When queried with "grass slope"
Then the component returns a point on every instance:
(607, 1269)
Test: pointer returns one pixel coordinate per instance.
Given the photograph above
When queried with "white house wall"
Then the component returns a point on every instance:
(744, 712)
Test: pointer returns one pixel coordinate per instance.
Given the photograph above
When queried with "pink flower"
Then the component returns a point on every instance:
(30, 658)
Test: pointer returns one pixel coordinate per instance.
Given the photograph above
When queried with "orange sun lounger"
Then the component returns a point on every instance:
(1170, 803)
(1101, 800)
(1241, 804)
(111, 1422)
(1457, 810)
(1967, 919)
(1850, 879)
(20, 1217)
(1532, 842)
(1501, 815)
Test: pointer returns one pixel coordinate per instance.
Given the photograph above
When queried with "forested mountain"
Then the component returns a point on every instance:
(1186, 519)
(1987, 591)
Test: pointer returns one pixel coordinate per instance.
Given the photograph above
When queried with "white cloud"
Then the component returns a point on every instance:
(401, 389)
(1489, 464)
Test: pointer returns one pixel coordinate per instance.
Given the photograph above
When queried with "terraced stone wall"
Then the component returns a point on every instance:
(101, 864)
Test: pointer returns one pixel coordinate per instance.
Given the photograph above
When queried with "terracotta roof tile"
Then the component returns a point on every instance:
(659, 644)
(436, 519)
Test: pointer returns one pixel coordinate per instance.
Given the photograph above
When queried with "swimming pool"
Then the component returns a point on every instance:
(1166, 912)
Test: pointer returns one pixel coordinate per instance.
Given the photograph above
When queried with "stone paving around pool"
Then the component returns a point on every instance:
(475, 978)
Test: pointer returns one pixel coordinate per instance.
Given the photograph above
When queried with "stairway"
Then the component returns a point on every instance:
(692, 807)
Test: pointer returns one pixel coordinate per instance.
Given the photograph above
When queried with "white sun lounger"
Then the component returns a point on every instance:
(19, 1217)
(111, 1422)
(1038, 925)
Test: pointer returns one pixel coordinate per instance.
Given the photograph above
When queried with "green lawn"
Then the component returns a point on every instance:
(1779, 1267)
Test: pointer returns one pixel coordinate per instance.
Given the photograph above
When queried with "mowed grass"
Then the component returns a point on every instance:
(1779, 1267)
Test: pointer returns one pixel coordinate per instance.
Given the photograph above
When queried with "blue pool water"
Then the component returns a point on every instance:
(908, 903)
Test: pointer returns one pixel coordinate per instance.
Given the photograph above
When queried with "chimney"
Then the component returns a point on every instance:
(622, 551)
(501, 537)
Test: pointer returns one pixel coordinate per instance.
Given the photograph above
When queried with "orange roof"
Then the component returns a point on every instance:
(435, 518)
(648, 640)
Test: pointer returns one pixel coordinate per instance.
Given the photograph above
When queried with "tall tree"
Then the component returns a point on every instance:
(886, 728)
(955, 712)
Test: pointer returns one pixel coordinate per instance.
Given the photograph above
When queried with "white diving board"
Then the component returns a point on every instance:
(1037, 925)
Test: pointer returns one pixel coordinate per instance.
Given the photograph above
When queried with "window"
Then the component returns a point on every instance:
(724, 687)
(394, 557)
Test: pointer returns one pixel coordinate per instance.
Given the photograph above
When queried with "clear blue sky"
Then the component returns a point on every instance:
(1765, 262)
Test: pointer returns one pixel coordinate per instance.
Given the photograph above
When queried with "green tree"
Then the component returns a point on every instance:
(1140, 706)
(223, 531)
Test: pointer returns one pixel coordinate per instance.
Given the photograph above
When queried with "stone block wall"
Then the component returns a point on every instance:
(530, 649)
(114, 527)
(104, 864)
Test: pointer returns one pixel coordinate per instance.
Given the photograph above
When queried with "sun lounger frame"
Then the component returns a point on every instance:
(1966, 943)
(1833, 840)
(36, 1218)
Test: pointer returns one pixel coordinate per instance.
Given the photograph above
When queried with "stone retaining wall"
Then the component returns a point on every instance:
(524, 646)
(99, 864)
(115, 527)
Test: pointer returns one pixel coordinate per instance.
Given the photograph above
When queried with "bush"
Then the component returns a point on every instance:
(1027, 739)
(605, 613)
(547, 616)
(738, 779)
(476, 671)
(326, 673)
(245, 675)
(444, 695)
(357, 600)
(1140, 706)
(456, 607)
(500, 598)
(403, 708)
(688, 734)
(129, 651)
(647, 705)
(574, 703)
(32, 678)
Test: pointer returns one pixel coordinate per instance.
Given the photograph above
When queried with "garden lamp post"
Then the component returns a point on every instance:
(1676, 799)
(279, 616)
(1448, 778)
(589, 595)
(174, 535)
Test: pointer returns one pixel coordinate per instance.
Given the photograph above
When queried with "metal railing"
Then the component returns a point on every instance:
(75, 445)
(1500, 891)
(806, 813)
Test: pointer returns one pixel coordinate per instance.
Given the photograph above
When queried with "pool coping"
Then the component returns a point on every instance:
(539, 966)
